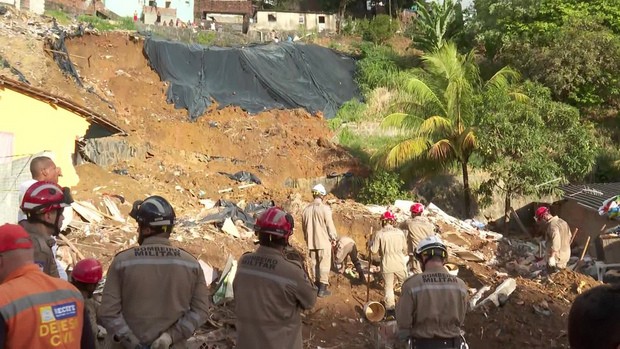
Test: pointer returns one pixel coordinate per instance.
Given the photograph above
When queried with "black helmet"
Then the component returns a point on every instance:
(154, 211)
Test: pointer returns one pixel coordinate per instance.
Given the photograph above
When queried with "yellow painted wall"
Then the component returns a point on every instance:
(38, 126)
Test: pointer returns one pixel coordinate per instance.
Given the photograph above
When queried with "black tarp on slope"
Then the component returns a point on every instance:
(255, 78)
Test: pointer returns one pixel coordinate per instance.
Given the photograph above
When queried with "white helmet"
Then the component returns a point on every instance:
(430, 244)
(319, 189)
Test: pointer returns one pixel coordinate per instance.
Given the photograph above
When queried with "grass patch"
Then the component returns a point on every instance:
(61, 17)
(363, 146)
(205, 38)
(125, 23)
(351, 111)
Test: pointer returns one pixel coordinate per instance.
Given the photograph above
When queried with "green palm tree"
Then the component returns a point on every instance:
(435, 24)
(439, 122)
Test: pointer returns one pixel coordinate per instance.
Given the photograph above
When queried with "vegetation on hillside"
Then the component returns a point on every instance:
(461, 104)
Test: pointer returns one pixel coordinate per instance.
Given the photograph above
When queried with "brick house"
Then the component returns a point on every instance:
(203, 9)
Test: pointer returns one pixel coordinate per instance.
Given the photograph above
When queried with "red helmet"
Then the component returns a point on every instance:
(388, 216)
(88, 271)
(275, 221)
(43, 197)
(541, 211)
(417, 208)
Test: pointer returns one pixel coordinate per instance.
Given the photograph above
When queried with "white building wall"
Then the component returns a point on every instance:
(273, 20)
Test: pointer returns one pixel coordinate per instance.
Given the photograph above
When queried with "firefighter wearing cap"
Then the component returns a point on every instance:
(270, 290)
(390, 243)
(418, 228)
(320, 235)
(557, 236)
(431, 309)
(85, 276)
(155, 294)
(43, 204)
(36, 311)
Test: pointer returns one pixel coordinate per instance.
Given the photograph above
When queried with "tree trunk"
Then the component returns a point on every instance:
(341, 13)
(466, 190)
(507, 206)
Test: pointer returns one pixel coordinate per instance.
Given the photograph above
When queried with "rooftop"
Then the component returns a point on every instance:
(33, 92)
(591, 195)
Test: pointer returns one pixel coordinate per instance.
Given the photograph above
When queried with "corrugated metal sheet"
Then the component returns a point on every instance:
(591, 195)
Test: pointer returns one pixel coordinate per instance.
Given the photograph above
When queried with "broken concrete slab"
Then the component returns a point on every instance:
(501, 293)
(230, 228)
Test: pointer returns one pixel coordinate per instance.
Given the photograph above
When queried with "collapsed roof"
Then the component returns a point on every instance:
(256, 78)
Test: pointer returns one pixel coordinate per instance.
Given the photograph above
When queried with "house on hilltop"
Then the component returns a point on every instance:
(34, 121)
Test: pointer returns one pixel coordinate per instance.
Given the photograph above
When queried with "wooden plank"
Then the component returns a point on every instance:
(71, 246)
(519, 222)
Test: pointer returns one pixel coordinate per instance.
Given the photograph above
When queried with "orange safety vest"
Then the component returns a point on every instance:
(40, 312)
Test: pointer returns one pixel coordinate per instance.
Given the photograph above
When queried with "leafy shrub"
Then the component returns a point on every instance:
(377, 68)
(382, 188)
(607, 167)
(351, 111)
(205, 38)
(380, 29)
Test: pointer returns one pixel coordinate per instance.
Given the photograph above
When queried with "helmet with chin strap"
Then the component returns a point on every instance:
(154, 212)
(431, 246)
(44, 197)
(276, 223)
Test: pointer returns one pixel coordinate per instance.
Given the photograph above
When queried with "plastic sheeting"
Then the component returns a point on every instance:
(235, 213)
(255, 78)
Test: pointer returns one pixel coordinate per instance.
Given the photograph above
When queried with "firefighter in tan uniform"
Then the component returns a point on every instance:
(320, 234)
(270, 290)
(391, 245)
(345, 247)
(418, 228)
(431, 309)
(155, 295)
(557, 236)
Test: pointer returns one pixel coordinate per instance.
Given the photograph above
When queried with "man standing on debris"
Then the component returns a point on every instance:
(594, 319)
(43, 204)
(391, 245)
(270, 290)
(85, 277)
(36, 310)
(155, 294)
(42, 169)
(345, 246)
(418, 228)
(320, 234)
(431, 309)
(557, 236)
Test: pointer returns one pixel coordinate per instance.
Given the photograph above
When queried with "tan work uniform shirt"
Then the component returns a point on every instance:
(318, 226)
(270, 293)
(344, 247)
(42, 245)
(558, 240)
(432, 305)
(153, 288)
(391, 245)
(418, 228)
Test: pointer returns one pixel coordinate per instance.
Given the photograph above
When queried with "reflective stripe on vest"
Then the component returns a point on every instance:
(17, 306)
(41, 320)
